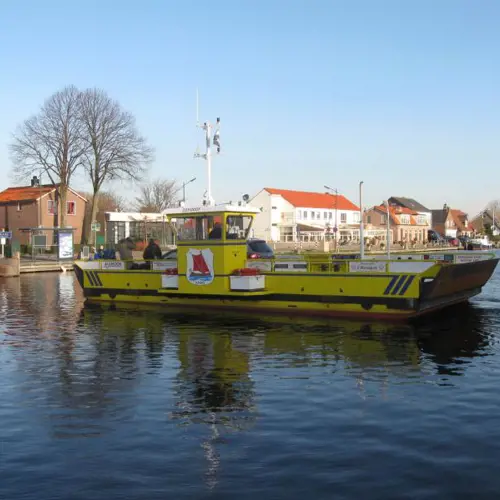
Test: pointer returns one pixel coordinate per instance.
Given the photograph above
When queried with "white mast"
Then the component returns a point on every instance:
(207, 155)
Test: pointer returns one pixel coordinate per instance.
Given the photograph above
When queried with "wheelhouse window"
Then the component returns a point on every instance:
(238, 227)
(197, 228)
(51, 207)
(208, 227)
(70, 208)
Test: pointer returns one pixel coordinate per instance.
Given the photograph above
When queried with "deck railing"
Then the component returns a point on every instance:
(309, 263)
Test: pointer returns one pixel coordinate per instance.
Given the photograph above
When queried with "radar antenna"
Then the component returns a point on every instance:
(207, 155)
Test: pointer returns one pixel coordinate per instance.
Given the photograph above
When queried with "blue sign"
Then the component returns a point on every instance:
(6, 234)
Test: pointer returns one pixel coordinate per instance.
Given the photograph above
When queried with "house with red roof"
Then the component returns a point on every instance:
(288, 215)
(448, 221)
(406, 225)
(39, 207)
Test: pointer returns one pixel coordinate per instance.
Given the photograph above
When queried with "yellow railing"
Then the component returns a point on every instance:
(304, 263)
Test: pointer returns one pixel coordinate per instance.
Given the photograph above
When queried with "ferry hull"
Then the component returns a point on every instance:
(290, 308)
(383, 298)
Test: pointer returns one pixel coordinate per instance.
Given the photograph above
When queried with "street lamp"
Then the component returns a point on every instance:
(361, 228)
(184, 184)
(37, 182)
(386, 203)
(336, 228)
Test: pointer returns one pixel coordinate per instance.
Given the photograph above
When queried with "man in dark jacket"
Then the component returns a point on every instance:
(152, 251)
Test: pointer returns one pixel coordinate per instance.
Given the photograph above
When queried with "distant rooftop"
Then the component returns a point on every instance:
(309, 199)
(408, 203)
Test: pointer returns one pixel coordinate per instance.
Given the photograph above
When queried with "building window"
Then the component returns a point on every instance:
(369, 219)
(312, 215)
(51, 207)
(19, 208)
(274, 208)
(330, 215)
(382, 219)
(318, 215)
(305, 214)
(325, 215)
(343, 217)
(70, 208)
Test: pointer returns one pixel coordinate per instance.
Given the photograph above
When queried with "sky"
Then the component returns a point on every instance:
(402, 95)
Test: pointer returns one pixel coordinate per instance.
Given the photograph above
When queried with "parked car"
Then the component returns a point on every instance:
(259, 249)
(451, 240)
(464, 241)
(170, 255)
(256, 249)
(434, 236)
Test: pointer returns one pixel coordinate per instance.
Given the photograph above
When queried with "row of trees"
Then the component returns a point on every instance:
(154, 197)
(88, 132)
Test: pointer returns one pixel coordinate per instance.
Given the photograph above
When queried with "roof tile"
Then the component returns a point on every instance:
(308, 199)
(24, 193)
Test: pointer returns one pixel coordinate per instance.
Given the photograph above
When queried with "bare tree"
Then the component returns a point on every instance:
(156, 196)
(51, 142)
(115, 149)
(493, 206)
(110, 202)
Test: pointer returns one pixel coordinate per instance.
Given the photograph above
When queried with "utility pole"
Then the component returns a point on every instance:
(184, 184)
(388, 230)
(361, 228)
(336, 228)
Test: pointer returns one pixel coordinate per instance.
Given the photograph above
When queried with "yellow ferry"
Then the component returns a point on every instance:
(212, 271)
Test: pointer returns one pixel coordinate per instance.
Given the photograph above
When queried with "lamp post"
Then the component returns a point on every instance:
(361, 228)
(336, 228)
(388, 230)
(37, 183)
(184, 184)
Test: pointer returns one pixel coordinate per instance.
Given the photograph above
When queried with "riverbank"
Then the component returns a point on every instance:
(44, 266)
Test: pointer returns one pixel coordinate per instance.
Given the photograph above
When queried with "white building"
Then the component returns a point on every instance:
(304, 216)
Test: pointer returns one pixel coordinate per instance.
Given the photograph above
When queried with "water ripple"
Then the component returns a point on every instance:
(129, 402)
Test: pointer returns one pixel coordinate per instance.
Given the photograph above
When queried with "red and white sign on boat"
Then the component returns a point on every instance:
(200, 266)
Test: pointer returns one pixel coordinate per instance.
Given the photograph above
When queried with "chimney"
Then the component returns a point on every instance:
(445, 207)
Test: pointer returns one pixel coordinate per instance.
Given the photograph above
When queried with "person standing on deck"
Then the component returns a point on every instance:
(152, 251)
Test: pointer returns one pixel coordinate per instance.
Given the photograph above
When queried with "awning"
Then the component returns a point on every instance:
(304, 227)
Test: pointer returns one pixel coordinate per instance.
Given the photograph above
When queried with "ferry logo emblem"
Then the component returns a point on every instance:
(200, 266)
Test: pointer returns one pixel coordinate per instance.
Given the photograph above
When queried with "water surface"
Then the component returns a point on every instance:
(139, 404)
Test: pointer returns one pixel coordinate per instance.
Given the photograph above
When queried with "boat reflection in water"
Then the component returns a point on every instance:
(217, 356)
